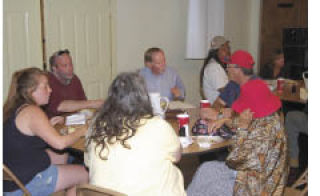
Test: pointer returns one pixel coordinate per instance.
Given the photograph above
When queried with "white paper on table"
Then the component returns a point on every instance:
(88, 113)
(185, 141)
(272, 84)
(173, 105)
(76, 119)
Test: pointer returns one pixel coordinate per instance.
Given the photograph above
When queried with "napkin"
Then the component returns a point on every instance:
(185, 141)
(76, 119)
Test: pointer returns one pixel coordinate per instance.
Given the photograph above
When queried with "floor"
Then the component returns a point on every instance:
(188, 166)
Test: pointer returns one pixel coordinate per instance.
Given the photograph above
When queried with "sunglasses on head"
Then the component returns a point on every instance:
(61, 52)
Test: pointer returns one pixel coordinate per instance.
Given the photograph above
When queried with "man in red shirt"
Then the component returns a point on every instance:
(67, 91)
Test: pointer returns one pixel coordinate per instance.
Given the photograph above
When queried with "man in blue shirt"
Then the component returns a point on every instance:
(160, 78)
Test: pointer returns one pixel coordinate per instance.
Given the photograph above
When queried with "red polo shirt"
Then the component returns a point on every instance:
(61, 92)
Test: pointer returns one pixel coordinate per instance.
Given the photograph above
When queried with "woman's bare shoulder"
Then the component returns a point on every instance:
(32, 111)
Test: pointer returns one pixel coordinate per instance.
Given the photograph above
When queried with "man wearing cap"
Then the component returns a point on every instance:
(257, 162)
(160, 78)
(67, 91)
(213, 76)
(240, 70)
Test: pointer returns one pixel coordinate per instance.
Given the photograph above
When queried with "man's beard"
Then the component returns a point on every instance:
(64, 78)
(68, 81)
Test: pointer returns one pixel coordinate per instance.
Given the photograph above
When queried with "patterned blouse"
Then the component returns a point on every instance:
(259, 155)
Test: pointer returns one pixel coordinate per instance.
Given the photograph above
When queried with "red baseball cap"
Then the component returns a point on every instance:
(256, 96)
(242, 59)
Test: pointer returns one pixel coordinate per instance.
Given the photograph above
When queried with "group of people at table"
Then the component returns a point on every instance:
(128, 148)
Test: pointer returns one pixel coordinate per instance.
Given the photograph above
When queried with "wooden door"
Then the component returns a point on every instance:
(83, 27)
(277, 15)
(21, 38)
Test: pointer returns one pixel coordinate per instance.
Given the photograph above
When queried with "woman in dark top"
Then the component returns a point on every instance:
(27, 132)
(276, 68)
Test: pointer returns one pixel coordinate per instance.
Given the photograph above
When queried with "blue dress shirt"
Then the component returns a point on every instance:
(163, 83)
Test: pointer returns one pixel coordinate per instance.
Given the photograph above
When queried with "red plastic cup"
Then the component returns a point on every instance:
(183, 120)
(204, 103)
(280, 83)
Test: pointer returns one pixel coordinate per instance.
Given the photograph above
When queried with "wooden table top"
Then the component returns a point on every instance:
(192, 149)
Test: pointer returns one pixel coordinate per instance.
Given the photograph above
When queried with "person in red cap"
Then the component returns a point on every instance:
(257, 163)
(240, 70)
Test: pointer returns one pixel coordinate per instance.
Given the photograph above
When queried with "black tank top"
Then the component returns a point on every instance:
(24, 155)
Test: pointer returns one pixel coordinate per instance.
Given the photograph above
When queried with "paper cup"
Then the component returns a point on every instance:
(183, 120)
(204, 103)
(280, 84)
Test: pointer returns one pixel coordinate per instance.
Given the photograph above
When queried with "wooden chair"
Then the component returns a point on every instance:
(9, 176)
(302, 181)
(91, 190)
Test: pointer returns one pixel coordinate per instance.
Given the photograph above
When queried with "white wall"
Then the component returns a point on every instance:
(242, 25)
(141, 24)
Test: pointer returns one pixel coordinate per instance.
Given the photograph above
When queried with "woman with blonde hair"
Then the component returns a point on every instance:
(27, 134)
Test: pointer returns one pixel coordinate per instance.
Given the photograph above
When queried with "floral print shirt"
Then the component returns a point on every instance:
(259, 154)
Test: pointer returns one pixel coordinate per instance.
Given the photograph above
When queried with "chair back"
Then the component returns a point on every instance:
(300, 187)
(91, 190)
(8, 175)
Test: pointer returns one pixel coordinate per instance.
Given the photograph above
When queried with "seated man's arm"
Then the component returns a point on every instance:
(75, 105)
(229, 94)
(219, 103)
(178, 90)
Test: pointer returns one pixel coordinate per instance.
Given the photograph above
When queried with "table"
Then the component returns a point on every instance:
(192, 149)
(288, 95)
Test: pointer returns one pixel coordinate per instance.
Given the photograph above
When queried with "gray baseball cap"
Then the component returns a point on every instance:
(218, 41)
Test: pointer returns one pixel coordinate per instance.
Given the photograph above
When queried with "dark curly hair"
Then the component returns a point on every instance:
(119, 118)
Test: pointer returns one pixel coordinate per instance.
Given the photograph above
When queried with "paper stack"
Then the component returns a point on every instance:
(76, 119)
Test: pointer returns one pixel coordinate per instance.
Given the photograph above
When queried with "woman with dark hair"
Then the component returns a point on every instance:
(213, 75)
(130, 150)
(275, 68)
(27, 132)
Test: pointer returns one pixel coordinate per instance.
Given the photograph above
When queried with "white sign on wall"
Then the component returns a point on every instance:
(205, 20)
